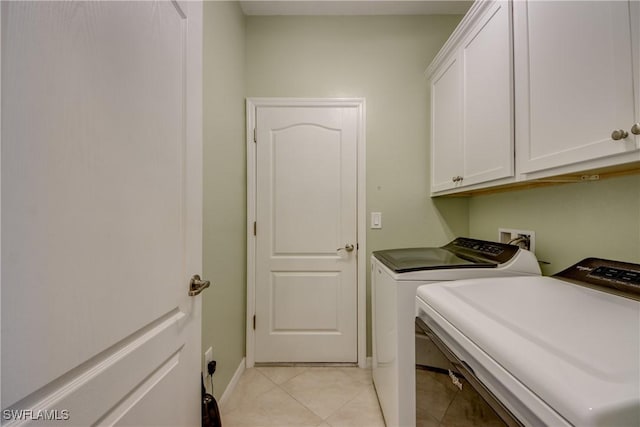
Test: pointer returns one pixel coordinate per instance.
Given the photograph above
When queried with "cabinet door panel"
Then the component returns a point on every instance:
(574, 81)
(446, 141)
(488, 106)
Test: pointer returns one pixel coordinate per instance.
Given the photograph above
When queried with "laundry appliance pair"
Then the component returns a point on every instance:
(396, 274)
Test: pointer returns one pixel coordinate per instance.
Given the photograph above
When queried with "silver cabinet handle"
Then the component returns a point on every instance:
(635, 129)
(348, 247)
(619, 134)
(197, 285)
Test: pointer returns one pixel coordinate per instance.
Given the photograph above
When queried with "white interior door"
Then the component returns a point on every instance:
(306, 241)
(101, 212)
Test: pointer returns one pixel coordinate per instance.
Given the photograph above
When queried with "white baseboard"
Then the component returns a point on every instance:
(233, 383)
(369, 362)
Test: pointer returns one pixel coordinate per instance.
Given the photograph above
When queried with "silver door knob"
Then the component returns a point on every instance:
(619, 134)
(348, 247)
(635, 129)
(197, 285)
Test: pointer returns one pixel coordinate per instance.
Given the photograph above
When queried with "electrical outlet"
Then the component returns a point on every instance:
(506, 235)
(208, 357)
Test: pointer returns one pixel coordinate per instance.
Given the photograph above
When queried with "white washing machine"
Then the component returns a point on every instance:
(535, 351)
(395, 276)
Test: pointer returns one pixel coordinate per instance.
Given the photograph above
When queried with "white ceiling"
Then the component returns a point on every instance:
(355, 7)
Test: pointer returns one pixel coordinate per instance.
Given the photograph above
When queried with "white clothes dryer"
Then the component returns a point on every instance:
(554, 351)
(395, 276)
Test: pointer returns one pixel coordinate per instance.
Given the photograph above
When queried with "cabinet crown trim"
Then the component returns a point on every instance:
(475, 12)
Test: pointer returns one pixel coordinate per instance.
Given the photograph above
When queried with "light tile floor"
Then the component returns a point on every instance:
(303, 396)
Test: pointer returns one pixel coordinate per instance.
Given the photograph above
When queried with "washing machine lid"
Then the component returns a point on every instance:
(416, 259)
(574, 348)
(459, 253)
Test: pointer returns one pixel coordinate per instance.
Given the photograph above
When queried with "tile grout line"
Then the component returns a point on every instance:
(246, 372)
(364, 390)
(365, 385)
(280, 386)
(288, 379)
(296, 399)
(322, 420)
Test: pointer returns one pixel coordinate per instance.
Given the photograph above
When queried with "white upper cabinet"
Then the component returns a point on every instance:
(488, 97)
(472, 101)
(575, 66)
(446, 130)
(553, 84)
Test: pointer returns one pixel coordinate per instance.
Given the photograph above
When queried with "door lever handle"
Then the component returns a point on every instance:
(348, 247)
(197, 285)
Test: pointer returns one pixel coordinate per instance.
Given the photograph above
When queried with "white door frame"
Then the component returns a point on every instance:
(0, 197)
(359, 103)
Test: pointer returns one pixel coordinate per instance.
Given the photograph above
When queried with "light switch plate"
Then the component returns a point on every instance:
(376, 219)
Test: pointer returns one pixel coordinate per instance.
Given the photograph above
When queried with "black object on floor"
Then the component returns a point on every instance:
(210, 410)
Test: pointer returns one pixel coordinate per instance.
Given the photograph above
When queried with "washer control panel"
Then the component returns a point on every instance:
(623, 277)
(482, 249)
(617, 275)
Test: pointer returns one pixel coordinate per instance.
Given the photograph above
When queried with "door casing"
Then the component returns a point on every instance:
(251, 106)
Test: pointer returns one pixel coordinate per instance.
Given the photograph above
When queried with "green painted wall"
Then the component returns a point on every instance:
(571, 221)
(224, 240)
(380, 58)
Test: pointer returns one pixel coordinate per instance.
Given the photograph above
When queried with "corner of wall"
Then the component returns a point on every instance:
(224, 228)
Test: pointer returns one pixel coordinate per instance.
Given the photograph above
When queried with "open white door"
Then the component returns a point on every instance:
(101, 212)
(306, 245)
